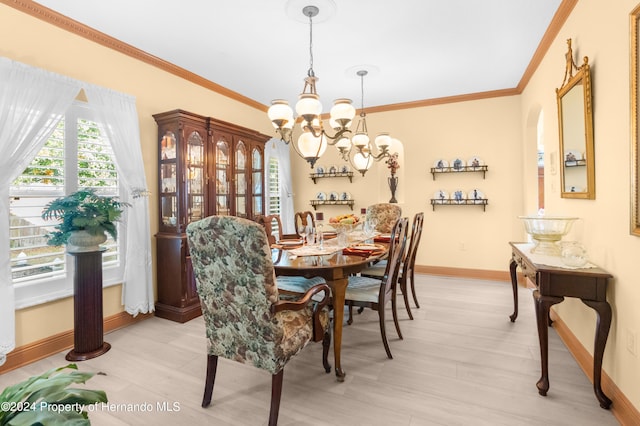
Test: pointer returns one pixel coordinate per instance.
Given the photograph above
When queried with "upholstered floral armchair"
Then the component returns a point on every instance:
(385, 215)
(244, 319)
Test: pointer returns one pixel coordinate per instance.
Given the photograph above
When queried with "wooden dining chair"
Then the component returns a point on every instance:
(407, 268)
(385, 215)
(305, 218)
(375, 293)
(244, 319)
(272, 226)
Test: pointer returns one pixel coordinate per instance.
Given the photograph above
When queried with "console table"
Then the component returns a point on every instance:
(553, 284)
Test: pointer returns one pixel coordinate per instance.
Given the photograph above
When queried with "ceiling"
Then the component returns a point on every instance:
(414, 50)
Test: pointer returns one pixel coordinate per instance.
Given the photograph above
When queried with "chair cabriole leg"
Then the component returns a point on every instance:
(276, 393)
(212, 366)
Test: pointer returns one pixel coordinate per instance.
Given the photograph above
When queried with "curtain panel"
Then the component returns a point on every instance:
(276, 148)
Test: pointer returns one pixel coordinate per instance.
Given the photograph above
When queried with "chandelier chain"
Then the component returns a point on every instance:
(361, 93)
(310, 72)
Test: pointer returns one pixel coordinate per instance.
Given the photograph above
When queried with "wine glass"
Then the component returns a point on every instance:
(302, 232)
(370, 227)
(310, 235)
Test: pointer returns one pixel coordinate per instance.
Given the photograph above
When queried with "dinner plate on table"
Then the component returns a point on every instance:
(290, 243)
(367, 247)
(327, 235)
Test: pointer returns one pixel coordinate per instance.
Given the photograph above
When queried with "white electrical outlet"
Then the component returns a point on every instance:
(632, 342)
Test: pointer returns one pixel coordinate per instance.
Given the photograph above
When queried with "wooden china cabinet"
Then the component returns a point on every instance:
(205, 167)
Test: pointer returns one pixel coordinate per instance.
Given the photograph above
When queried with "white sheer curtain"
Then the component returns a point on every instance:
(32, 102)
(280, 150)
(119, 111)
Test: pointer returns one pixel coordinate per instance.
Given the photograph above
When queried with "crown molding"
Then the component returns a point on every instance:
(54, 18)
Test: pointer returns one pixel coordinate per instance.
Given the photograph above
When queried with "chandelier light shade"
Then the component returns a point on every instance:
(311, 146)
(362, 162)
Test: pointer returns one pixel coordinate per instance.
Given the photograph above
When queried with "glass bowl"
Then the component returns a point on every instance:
(344, 227)
(546, 231)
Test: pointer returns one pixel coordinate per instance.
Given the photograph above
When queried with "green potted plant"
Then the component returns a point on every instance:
(84, 217)
(47, 400)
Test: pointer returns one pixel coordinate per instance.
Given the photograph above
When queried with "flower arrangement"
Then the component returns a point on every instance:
(392, 163)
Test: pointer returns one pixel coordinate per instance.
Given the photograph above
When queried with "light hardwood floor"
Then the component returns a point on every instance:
(462, 362)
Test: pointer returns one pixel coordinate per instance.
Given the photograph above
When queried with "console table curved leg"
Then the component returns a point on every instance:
(542, 305)
(603, 309)
(514, 284)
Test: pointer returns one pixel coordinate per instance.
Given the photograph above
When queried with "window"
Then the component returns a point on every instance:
(75, 156)
(274, 190)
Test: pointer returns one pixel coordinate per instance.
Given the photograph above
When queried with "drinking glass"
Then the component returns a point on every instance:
(302, 232)
(320, 236)
(370, 227)
(311, 235)
(343, 238)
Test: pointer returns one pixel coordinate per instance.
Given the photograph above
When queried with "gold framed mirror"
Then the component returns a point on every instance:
(575, 123)
(635, 138)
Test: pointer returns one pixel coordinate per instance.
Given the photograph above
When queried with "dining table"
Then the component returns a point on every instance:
(334, 263)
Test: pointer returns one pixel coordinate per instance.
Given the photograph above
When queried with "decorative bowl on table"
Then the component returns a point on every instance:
(344, 227)
(547, 231)
(344, 223)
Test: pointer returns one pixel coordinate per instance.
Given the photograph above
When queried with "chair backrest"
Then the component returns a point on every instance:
(305, 219)
(272, 226)
(397, 248)
(386, 215)
(416, 234)
(236, 283)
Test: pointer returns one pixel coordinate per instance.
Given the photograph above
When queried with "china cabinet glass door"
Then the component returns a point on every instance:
(222, 168)
(168, 195)
(257, 179)
(195, 182)
(241, 179)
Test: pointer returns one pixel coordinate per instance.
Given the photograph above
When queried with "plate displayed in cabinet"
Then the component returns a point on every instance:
(440, 196)
(458, 196)
(440, 164)
(321, 196)
(332, 170)
(333, 196)
(457, 164)
(320, 170)
(476, 195)
(474, 162)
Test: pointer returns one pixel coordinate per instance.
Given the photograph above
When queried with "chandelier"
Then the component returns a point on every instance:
(363, 156)
(313, 141)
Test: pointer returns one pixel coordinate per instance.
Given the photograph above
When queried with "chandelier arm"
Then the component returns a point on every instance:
(332, 139)
(368, 153)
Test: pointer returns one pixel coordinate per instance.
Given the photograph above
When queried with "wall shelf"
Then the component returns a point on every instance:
(464, 202)
(461, 169)
(315, 176)
(316, 203)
